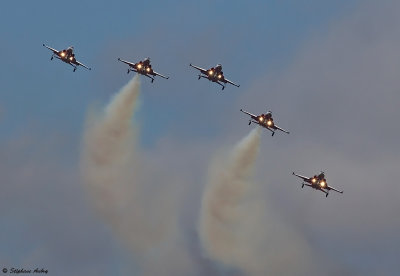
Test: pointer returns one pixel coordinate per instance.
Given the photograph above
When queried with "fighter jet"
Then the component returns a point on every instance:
(214, 74)
(143, 68)
(317, 182)
(66, 55)
(264, 120)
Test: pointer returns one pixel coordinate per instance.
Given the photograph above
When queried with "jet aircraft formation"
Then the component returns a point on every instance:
(213, 74)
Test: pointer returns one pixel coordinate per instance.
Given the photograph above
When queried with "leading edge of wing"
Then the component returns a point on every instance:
(281, 129)
(234, 84)
(158, 74)
(301, 176)
(204, 71)
(83, 65)
(331, 188)
(126, 62)
(248, 113)
(51, 49)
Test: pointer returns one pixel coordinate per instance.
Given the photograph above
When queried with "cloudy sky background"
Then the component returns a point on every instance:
(327, 70)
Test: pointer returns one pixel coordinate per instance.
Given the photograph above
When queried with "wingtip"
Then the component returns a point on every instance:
(119, 59)
(44, 45)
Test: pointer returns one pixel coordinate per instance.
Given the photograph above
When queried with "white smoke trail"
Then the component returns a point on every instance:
(236, 227)
(228, 184)
(112, 173)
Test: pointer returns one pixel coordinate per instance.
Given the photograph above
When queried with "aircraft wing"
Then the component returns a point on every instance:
(127, 62)
(83, 65)
(204, 71)
(51, 49)
(254, 117)
(165, 77)
(281, 129)
(302, 177)
(228, 81)
(331, 188)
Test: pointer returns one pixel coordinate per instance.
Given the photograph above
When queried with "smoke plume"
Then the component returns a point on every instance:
(222, 205)
(236, 227)
(113, 174)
